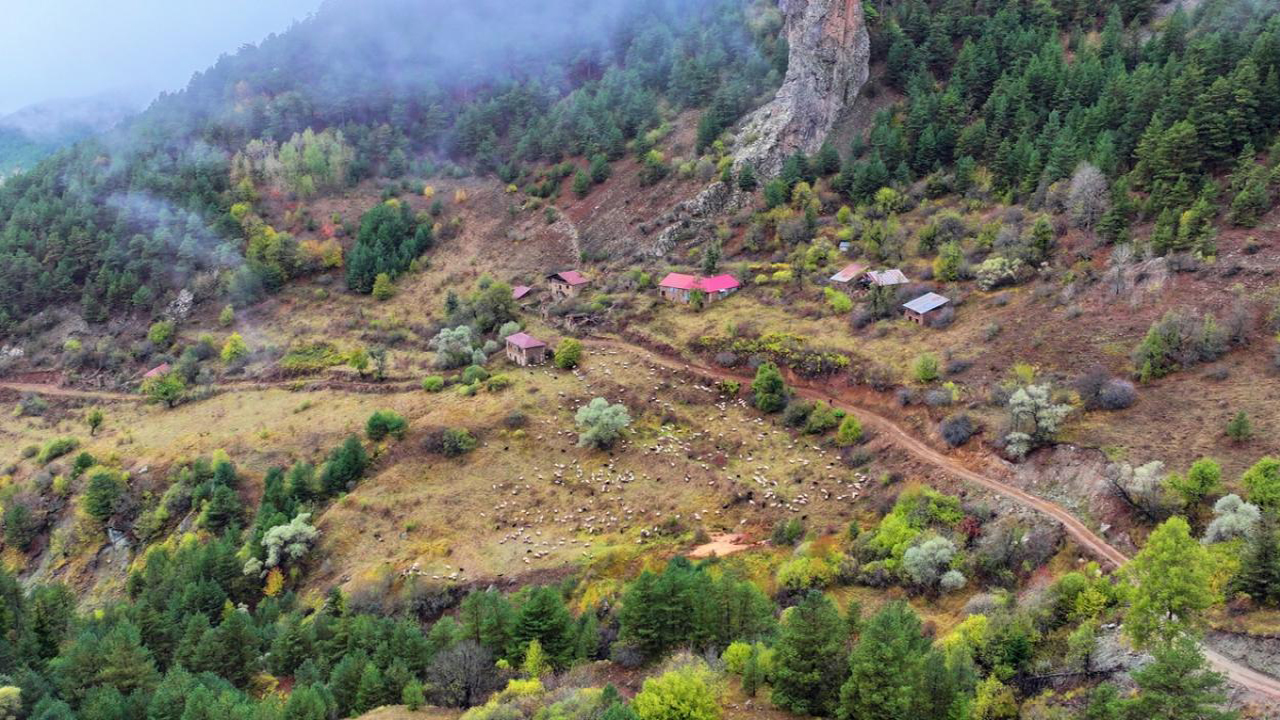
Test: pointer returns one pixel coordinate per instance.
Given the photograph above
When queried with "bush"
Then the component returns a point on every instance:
(797, 413)
(385, 422)
(433, 383)
(849, 432)
(787, 532)
(1117, 394)
(473, 374)
(769, 391)
(822, 419)
(600, 424)
(56, 448)
(161, 333)
(568, 354)
(925, 368)
(457, 441)
(102, 495)
(497, 383)
(956, 429)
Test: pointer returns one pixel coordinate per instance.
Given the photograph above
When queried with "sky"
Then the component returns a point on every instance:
(54, 49)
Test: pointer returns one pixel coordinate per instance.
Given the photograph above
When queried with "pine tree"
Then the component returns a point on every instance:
(827, 161)
(545, 618)
(747, 177)
(885, 667)
(370, 692)
(769, 389)
(809, 657)
(1178, 685)
(751, 673)
(1259, 575)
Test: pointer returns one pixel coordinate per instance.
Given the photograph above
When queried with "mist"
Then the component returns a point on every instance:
(128, 49)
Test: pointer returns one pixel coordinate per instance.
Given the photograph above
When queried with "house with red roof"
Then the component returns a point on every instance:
(566, 284)
(524, 349)
(520, 292)
(157, 371)
(678, 287)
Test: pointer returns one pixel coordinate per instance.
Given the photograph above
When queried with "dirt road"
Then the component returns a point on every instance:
(57, 391)
(1238, 673)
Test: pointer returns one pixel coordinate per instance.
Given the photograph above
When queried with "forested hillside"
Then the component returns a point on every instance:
(120, 223)
(453, 360)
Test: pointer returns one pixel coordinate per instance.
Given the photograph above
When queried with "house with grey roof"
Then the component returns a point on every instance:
(918, 310)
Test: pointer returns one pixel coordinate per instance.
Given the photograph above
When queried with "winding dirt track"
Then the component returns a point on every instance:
(58, 391)
(1237, 673)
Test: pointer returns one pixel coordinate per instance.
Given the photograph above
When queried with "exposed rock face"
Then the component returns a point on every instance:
(828, 64)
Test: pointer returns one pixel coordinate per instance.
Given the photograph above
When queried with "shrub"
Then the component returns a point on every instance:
(19, 526)
(385, 422)
(956, 429)
(433, 383)
(474, 374)
(839, 302)
(797, 413)
(925, 563)
(1262, 481)
(849, 432)
(568, 353)
(382, 287)
(600, 424)
(102, 494)
(925, 368)
(56, 448)
(769, 391)
(787, 532)
(457, 441)
(1233, 518)
(822, 419)
(161, 333)
(234, 349)
(227, 316)
(497, 383)
(803, 573)
(1239, 428)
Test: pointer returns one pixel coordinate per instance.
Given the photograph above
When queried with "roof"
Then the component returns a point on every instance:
(926, 302)
(719, 283)
(520, 291)
(157, 371)
(887, 277)
(525, 341)
(680, 281)
(572, 277)
(849, 272)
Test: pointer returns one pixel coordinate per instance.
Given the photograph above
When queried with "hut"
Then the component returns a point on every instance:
(678, 287)
(886, 278)
(520, 292)
(567, 284)
(848, 275)
(919, 310)
(157, 371)
(524, 349)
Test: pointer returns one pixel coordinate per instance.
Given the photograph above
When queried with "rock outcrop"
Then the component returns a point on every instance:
(828, 63)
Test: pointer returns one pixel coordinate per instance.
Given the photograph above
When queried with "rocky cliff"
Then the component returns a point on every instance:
(829, 60)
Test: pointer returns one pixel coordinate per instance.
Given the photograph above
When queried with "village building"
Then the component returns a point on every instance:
(520, 292)
(848, 276)
(886, 278)
(678, 287)
(919, 310)
(524, 349)
(567, 284)
(157, 371)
